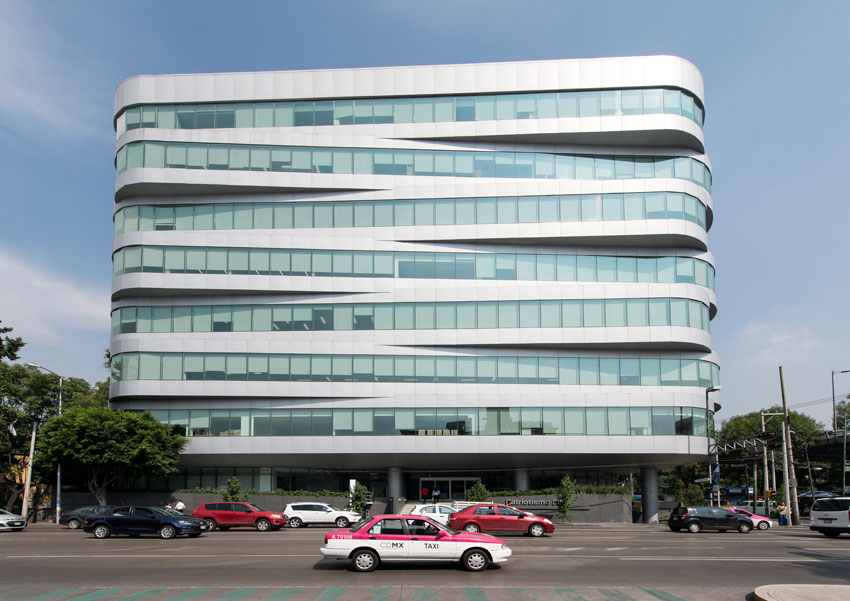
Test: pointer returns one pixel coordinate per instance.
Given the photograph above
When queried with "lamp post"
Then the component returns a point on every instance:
(708, 447)
(844, 461)
(59, 465)
(834, 414)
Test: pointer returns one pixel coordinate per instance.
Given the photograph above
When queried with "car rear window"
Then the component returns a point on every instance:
(832, 505)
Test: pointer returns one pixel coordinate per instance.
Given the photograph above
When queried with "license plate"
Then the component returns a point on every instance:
(828, 520)
(16, 524)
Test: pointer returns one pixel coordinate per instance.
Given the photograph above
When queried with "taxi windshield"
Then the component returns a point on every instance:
(447, 529)
(359, 524)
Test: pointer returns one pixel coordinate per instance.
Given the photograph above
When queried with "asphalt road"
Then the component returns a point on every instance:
(576, 563)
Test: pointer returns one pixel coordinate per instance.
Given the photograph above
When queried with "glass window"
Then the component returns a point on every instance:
(618, 421)
(597, 421)
(640, 421)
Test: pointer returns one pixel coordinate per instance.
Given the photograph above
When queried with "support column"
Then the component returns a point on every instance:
(521, 481)
(394, 482)
(649, 494)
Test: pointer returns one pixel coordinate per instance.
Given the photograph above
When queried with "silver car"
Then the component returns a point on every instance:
(11, 521)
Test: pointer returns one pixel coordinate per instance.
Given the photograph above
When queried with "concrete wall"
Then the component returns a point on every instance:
(589, 509)
(72, 500)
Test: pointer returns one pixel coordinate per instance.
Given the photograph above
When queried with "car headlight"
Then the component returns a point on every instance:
(277, 516)
(548, 521)
(504, 546)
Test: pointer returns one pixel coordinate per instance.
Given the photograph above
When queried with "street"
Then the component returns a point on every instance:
(592, 562)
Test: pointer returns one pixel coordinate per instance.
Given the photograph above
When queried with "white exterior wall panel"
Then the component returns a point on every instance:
(650, 135)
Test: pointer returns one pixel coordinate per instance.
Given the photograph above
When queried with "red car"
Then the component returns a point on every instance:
(227, 515)
(499, 518)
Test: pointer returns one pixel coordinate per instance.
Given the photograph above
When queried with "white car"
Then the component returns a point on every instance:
(304, 514)
(394, 538)
(759, 521)
(437, 512)
(831, 517)
(11, 521)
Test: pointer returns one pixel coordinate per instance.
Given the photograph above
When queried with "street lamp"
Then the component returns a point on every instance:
(708, 447)
(844, 460)
(834, 414)
(59, 465)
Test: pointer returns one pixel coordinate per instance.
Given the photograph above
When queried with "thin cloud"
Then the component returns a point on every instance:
(774, 343)
(44, 88)
(44, 307)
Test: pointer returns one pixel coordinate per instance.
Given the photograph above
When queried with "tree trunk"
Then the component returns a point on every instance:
(98, 484)
(16, 491)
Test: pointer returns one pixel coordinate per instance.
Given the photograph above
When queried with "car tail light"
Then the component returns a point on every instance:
(326, 539)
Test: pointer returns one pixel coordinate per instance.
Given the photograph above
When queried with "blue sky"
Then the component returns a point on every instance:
(777, 132)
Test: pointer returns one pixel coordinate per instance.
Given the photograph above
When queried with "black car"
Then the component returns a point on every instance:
(136, 520)
(74, 519)
(694, 519)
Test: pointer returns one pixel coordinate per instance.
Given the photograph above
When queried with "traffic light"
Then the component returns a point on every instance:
(770, 493)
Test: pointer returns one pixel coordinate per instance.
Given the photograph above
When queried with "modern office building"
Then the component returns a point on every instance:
(417, 275)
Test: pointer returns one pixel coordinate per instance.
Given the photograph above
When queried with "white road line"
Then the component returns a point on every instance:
(155, 555)
(615, 548)
(676, 558)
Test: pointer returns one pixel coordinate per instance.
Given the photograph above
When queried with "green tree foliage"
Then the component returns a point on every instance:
(804, 432)
(9, 347)
(108, 444)
(233, 492)
(358, 499)
(477, 493)
(566, 498)
(842, 412)
(27, 398)
(677, 483)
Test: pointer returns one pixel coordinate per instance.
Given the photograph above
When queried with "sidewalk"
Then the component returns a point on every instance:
(803, 592)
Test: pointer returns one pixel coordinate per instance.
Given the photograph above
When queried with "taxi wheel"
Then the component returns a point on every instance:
(342, 522)
(536, 530)
(263, 525)
(764, 525)
(74, 524)
(102, 531)
(295, 522)
(211, 525)
(167, 531)
(475, 560)
(364, 560)
(694, 527)
(472, 528)
(744, 528)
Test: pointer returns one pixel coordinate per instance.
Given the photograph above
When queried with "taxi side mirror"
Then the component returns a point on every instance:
(440, 533)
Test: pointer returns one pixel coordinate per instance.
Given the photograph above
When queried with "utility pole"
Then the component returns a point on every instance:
(773, 468)
(789, 450)
(28, 480)
(764, 453)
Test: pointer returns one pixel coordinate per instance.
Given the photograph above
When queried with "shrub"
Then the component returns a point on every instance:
(566, 498)
(233, 492)
(477, 492)
(358, 499)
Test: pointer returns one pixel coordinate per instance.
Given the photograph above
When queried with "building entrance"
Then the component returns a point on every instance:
(451, 489)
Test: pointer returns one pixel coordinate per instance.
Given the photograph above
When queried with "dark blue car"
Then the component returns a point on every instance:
(135, 520)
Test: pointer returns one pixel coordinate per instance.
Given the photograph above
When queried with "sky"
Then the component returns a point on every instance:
(777, 127)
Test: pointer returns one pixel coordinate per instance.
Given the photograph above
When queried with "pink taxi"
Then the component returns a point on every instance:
(411, 538)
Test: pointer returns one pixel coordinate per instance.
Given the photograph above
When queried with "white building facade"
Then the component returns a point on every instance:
(417, 276)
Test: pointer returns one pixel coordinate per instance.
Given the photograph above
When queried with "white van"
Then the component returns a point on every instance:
(831, 517)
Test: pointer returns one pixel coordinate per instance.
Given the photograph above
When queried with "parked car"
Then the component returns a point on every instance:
(137, 520)
(437, 512)
(412, 538)
(11, 521)
(831, 517)
(695, 519)
(759, 521)
(500, 518)
(304, 514)
(229, 515)
(74, 519)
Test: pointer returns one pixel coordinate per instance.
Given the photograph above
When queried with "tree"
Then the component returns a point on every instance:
(566, 498)
(804, 432)
(108, 444)
(359, 497)
(842, 412)
(477, 493)
(27, 397)
(233, 492)
(9, 347)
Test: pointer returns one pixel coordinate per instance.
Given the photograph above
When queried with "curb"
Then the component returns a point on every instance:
(802, 592)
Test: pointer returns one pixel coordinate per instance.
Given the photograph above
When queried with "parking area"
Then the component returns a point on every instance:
(616, 562)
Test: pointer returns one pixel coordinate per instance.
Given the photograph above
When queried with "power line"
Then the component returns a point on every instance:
(828, 399)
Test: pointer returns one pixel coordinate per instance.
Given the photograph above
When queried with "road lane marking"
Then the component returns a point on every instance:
(157, 555)
(190, 594)
(568, 594)
(663, 595)
(679, 558)
(615, 595)
(283, 594)
(331, 594)
(96, 594)
(236, 594)
(146, 594)
(57, 593)
(616, 548)
(425, 594)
